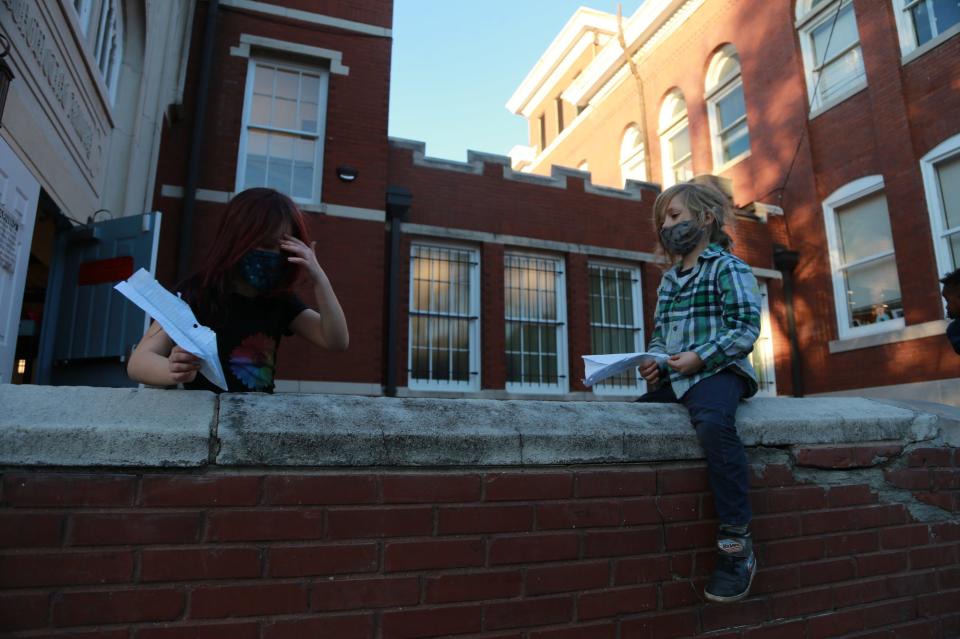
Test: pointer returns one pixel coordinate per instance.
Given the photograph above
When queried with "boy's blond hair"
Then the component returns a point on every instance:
(699, 199)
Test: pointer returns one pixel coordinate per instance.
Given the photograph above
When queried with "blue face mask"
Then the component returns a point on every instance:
(262, 270)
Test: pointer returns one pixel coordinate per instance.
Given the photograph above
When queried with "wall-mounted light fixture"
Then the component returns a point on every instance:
(347, 173)
(6, 73)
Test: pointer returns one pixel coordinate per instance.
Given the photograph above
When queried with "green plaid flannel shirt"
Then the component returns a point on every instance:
(714, 312)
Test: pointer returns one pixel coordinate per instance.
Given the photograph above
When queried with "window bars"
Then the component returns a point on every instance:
(615, 319)
(534, 313)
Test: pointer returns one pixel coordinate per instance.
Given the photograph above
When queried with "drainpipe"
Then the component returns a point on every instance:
(196, 139)
(785, 261)
(398, 204)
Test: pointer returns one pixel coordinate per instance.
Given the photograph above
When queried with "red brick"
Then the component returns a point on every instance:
(939, 603)
(852, 543)
(917, 630)
(111, 529)
(195, 564)
(637, 512)
(265, 524)
(770, 580)
(430, 622)
(912, 584)
(905, 536)
(380, 522)
(933, 556)
(527, 486)
(118, 606)
(945, 531)
(789, 630)
(796, 498)
(613, 602)
(452, 520)
(579, 631)
(679, 507)
(881, 563)
(420, 555)
(432, 488)
(296, 490)
(641, 570)
(944, 479)
(851, 519)
(325, 627)
(930, 457)
(696, 535)
(533, 548)
(199, 490)
(23, 611)
(945, 501)
(328, 559)
(358, 594)
(822, 572)
(620, 483)
(25, 570)
(833, 456)
(682, 480)
(910, 478)
(860, 592)
(742, 613)
(859, 494)
(567, 578)
(949, 578)
(578, 514)
(678, 594)
(771, 475)
(61, 489)
(541, 611)
(18, 529)
(248, 630)
(792, 551)
(660, 626)
(797, 604)
(775, 527)
(835, 623)
(119, 633)
(477, 586)
(247, 600)
(889, 613)
(620, 543)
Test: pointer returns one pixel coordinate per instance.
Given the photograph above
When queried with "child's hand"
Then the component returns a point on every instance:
(183, 365)
(305, 256)
(686, 363)
(650, 371)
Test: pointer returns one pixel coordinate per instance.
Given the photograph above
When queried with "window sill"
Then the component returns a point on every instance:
(843, 97)
(929, 46)
(893, 336)
(730, 163)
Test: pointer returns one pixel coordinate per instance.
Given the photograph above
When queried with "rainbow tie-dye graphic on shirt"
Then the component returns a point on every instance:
(253, 360)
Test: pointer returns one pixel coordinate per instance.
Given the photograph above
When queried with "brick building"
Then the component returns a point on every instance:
(839, 117)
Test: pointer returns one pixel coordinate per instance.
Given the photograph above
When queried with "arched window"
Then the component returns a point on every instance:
(633, 161)
(108, 46)
(729, 134)
(830, 43)
(675, 140)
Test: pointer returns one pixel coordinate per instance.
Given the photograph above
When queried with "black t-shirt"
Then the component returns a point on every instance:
(247, 341)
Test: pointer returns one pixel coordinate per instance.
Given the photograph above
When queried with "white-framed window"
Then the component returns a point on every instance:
(633, 157)
(866, 284)
(940, 169)
(830, 43)
(920, 22)
(284, 116)
(82, 9)
(616, 321)
(675, 147)
(726, 108)
(762, 355)
(108, 46)
(444, 344)
(535, 313)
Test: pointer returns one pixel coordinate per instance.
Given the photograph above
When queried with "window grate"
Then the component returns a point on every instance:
(534, 320)
(615, 320)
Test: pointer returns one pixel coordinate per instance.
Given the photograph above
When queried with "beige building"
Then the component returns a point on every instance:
(79, 141)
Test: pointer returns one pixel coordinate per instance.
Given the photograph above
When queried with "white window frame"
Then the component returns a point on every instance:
(807, 21)
(108, 45)
(670, 127)
(718, 88)
(946, 150)
(563, 370)
(633, 158)
(473, 381)
(639, 337)
(909, 49)
(320, 136)
(763, 349)
(82, 13)
(848, 194)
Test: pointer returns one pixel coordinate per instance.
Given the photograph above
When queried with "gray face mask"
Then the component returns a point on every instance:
(681, 238)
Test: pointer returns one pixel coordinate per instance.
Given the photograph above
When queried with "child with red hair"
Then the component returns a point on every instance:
(243, 293)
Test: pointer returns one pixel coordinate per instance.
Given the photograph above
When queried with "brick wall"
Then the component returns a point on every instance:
(599, 552)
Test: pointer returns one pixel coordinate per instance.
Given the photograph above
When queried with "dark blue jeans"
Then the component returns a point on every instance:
(712, 403)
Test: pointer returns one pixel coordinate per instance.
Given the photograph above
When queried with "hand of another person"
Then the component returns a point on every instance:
(305, 256)
(183, 365)
(686, 363)
(650, 371)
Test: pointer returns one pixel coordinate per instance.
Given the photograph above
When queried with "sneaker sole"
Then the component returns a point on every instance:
(742, 595)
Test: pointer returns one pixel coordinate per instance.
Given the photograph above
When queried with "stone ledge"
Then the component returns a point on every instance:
(74, 426)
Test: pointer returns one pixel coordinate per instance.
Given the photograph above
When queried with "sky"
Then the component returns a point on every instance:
(457, 62)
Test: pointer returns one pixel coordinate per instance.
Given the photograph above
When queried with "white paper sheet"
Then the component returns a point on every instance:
(599, 367)
(177, 319)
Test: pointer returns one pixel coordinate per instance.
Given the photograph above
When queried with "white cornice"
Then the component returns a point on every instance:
(584, 21)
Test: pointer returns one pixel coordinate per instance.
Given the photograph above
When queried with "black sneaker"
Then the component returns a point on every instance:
(736, 567)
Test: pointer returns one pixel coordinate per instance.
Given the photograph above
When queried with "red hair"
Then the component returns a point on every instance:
(252, 218)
